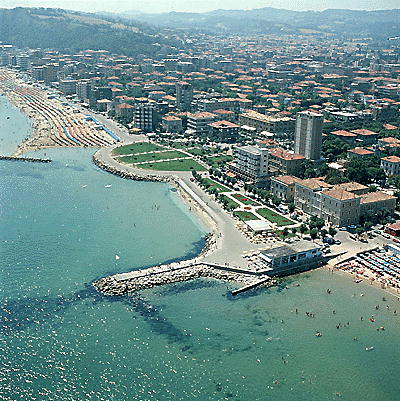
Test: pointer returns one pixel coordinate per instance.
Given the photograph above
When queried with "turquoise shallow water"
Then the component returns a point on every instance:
(60, 340)
(14, 126)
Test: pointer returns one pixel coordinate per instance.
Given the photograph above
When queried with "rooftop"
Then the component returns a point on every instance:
(343, 133)
(314, 183)
(284, 154)
(361, 151)
(364, 132)
(286, 179)
(376, 197)
(351, 186)
(287, 250)
(391, 159)
(223, 124)
(340, 194)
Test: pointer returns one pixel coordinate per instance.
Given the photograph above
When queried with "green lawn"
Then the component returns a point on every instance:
(245, 200)
(152, 157)
(173, 165)
(230, 203)
(214, 184)
(274, 217)
(244, 216)
(279, 233)
(197, 152)
(215, 160)
(140, 147)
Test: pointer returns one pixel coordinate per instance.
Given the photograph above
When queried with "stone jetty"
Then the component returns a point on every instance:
(126, 283)
(121, 172)
(25, 159)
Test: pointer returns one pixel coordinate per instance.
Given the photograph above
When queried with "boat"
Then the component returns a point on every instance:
(107, 186)
(369, 348)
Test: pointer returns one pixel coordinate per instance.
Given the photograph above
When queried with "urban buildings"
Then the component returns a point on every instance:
(172, 124)
(198, 123)
(263, 122)
(341, 204)
(282, 186)
(391, 165)
(286, 259)
(184, 96)
(308, 135)
(250, 163)
(144, 117)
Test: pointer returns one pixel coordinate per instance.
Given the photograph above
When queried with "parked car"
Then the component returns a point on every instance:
(337, 242)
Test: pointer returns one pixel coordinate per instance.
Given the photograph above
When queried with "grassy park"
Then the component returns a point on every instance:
(245, 216)
(173, 165)
(148, 157)
(230, 204)
(134, 148)
(245, 200)
(214, 184)
(274, 217)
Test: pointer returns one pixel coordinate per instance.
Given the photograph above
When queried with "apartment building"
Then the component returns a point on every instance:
(262, 122)
(250, 163)
(184, 96)
(199, 122)
(340, 205)
(68, 86)
(308, 135)
(172, 124)
(225, 131)
(282, 161)
(391, 165)
(144, 117)
(283, 186)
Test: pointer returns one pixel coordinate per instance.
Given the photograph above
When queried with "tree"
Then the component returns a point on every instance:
(313, 233)
(324, 233)
(332, 231)
(359, 230)
(319, 223)
(285, 232)
(294, 230)
(276, 201)
(291, 207)
(303, 229)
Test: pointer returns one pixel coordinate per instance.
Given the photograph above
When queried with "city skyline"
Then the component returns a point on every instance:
(159, 6)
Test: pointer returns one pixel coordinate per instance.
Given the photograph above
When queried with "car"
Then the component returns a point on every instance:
(384, 235)
(396, 240)
(337, 242)
(378, 232)
(343, 229)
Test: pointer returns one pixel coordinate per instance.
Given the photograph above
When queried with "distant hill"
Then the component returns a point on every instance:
(377, 24)
(68, 30)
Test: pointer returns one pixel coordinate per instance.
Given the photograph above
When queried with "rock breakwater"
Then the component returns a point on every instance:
(121, 284)
(121, 172)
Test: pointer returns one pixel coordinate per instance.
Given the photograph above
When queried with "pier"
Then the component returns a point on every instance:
(25, 159)
(126, 283)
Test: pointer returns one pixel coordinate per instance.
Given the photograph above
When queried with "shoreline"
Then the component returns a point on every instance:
(185, 194)
(373, 283)
(41, 130)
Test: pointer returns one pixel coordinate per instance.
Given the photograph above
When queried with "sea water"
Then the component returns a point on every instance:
(61, 225)
(14, 126)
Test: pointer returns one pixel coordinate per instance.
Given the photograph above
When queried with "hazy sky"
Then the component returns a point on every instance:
(154, 6)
